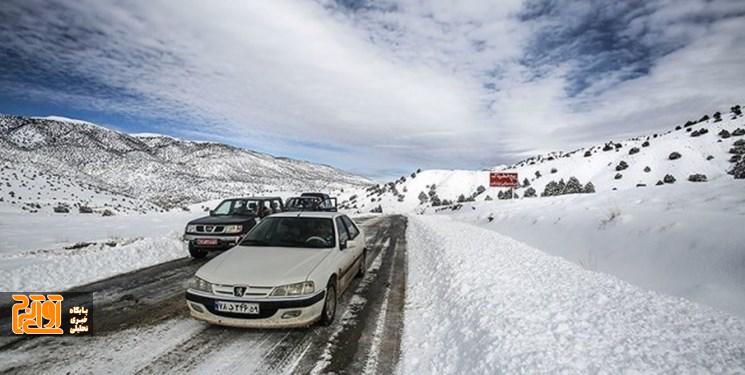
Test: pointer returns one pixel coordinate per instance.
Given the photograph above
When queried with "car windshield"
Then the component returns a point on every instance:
(236, 207)
(304, 232)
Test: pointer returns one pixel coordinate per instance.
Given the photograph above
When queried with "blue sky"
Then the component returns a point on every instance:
(376, 87)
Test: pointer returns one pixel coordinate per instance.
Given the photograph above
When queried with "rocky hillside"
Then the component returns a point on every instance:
(50, 161)
(703, 150)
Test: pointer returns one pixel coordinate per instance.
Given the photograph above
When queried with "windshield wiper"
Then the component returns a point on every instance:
(302, 244)
(249, 242)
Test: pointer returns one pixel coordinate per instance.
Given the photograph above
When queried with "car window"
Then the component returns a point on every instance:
(265, 208)
(236, 207)
(351, 227)
(224, 208)
(276, 206)
(292, 232)
(327, 204)
(303, 203)
(242, 207)
(343, 234)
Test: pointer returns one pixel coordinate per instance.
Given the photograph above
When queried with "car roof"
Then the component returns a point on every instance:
(256, 198)
(311, 214)
(320, 195)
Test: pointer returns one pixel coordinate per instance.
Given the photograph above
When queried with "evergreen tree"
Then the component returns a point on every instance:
(573, 186)
(551, 189)
(736, 110)
(589, 188)
(423, 198)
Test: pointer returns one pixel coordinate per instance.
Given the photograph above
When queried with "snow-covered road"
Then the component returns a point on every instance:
(143, 326)
(479, 302)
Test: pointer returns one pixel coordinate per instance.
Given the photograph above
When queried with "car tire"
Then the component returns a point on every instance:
(363, 264)
(329, 304)
(195, 252)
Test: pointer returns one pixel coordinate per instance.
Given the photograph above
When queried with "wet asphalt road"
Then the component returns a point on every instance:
(142, 325)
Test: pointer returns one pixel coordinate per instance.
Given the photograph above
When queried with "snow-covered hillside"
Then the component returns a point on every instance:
(46, 162)
(637, 163)
(683, 238)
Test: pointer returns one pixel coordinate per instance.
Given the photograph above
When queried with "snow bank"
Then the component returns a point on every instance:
(682, 240)
(60, 269)
(480, 302)
(21, 232)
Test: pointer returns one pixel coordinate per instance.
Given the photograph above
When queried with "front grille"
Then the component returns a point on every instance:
(210, 228)
(251, 291)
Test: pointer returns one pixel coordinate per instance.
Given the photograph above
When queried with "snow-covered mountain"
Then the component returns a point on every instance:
(50, 161)
(708, 147)
(681, 238)
(666, 214)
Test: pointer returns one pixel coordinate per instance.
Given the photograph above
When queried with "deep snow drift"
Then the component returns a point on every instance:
(682, 240)
(61, 269)
(77, 249)
(480, 302)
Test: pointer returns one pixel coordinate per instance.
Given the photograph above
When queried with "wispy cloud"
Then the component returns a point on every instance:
(385, 85)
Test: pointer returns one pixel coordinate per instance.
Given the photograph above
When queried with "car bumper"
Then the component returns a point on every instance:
(272, 314)
(223, 242)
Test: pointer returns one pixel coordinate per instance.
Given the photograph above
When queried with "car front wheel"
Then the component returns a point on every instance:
(195, 252)
(329, 305)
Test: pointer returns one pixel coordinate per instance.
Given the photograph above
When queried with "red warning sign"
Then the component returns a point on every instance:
(503, 179)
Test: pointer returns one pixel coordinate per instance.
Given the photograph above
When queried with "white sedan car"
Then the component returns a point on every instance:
(288, 271)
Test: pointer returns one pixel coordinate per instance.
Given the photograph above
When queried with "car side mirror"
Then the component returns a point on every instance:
(212, 212)
(342, 244)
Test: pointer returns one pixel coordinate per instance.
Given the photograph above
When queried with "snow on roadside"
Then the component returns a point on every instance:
(683, 240)
(127, 352)
(480, 302)
(60, 269)
(22, 231)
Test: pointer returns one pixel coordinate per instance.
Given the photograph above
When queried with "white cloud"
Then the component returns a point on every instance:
(398, 84)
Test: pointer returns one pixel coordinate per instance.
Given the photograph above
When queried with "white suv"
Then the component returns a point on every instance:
(287, 272)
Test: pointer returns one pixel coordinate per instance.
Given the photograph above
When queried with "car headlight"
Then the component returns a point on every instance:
(297, 289)
(233, 228)
(191, 228)
(197, 283)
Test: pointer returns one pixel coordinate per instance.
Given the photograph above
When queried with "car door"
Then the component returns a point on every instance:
(346, 255)
(356, 241)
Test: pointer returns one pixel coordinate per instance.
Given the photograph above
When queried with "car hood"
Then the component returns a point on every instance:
(262, 266)
(216, 220)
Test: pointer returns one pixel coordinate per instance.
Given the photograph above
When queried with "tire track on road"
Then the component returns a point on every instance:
(139, 307)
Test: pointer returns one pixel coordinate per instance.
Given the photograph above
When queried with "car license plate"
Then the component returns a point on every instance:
(206, 242)
(237, 307)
